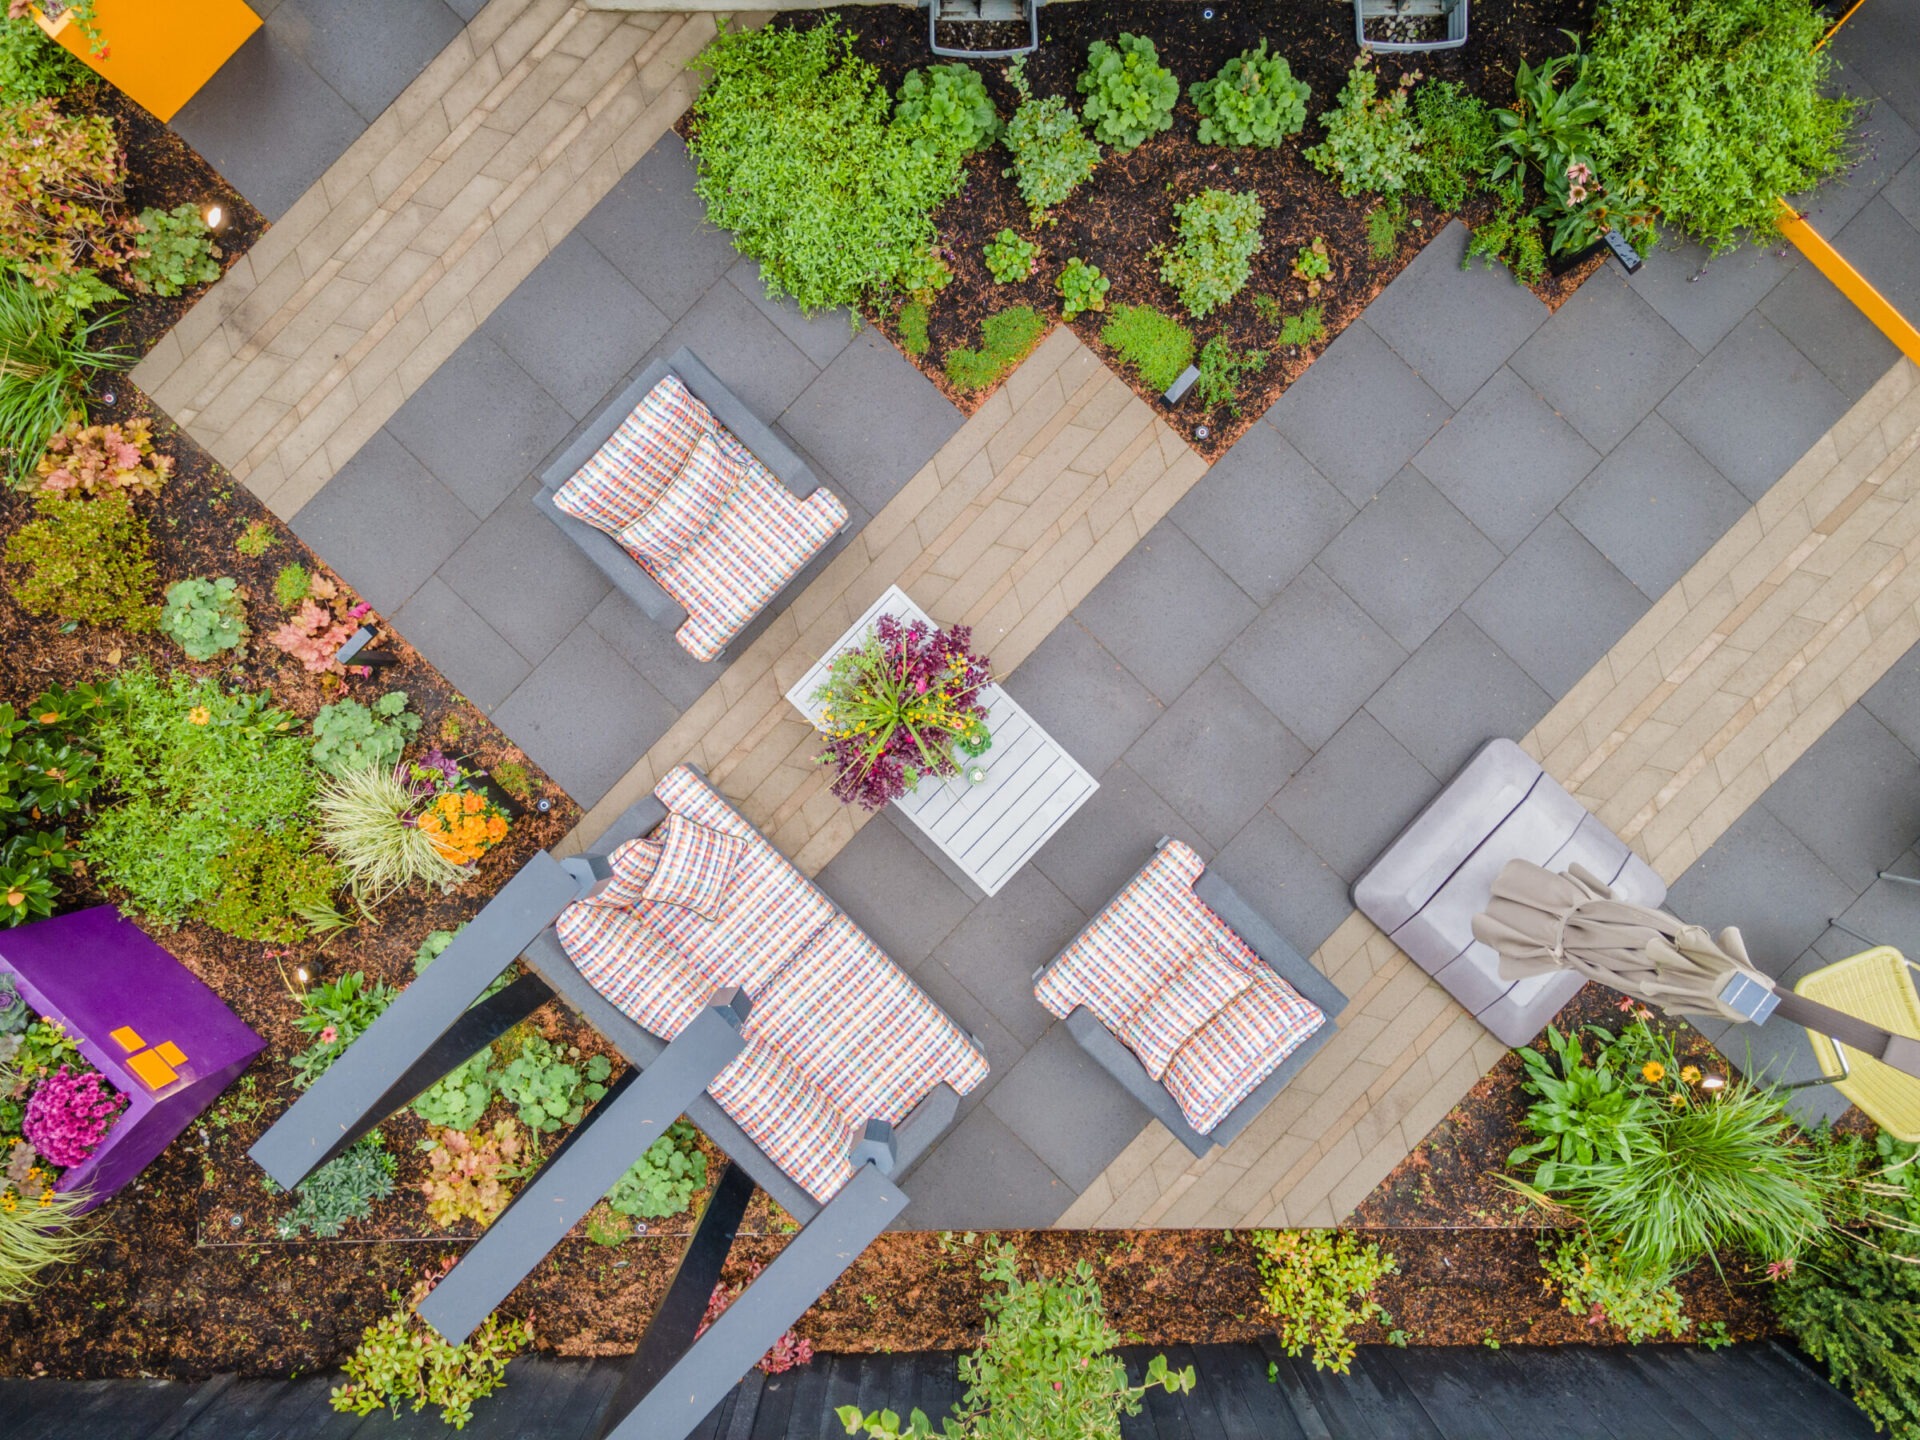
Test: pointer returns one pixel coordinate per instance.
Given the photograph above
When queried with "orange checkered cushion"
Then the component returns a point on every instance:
(695, 868)
(639, 460)
(627, 961)
(788, 1116)
(1223, 1061)
(1197, 991)
(686, 508)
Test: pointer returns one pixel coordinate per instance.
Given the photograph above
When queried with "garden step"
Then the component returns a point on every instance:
(957, 11)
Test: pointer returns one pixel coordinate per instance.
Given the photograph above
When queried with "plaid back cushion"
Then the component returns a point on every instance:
(629, 472)
(763, 537)
(1222, 1062)
(695, 867)
(685, 509)
(632, 865)
(627, 961)
(1198, 991)
(789, 1117)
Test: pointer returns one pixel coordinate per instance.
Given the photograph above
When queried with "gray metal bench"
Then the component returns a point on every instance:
(629, 577)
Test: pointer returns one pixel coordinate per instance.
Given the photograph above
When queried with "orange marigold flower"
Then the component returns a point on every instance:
(199, 715)
(474, 804)
(496, 828)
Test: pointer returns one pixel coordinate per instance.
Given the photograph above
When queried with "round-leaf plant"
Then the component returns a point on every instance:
(1254, 100)
(1082, 287)
(1009, 258)
(1219, 231)
(951, 104)
(205, 617)
(1130, 94)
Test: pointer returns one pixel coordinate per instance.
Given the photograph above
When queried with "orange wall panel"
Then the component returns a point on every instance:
(160, 52)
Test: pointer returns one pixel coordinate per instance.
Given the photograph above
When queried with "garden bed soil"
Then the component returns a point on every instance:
(1119, 217)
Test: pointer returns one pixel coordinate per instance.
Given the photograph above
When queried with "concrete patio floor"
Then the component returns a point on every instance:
(1469, 519)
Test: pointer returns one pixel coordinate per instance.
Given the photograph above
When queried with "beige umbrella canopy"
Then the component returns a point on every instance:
(1540, 921)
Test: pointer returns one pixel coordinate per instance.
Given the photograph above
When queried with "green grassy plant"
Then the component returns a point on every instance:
(1006, 339)
(913, 327)
(1458, 134)
(47, 358)
(365, 818)
(1223, 370)
(1157, 345)
(32, 1238)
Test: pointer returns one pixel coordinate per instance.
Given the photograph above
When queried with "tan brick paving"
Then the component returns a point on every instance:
(351, 300)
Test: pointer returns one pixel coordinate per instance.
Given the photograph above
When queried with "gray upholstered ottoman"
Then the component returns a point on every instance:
(1427, 886)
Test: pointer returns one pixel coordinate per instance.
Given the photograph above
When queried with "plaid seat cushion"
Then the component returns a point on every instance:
(1198, 991)
(761, 539)
(865, 1033)
(627, 961)
(632, 865)
(695, 868)
(789, 1117)
(690, 503)
(639, 460)
(1222, 1062)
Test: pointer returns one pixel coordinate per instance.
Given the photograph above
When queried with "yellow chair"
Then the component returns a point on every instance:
(1876, 985)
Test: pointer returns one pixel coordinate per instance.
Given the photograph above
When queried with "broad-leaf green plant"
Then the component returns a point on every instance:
(1254, 100)
(662, 1182)
(349, 736)
(547, 1090)
(1130, 94)
(951, 104)
(1217, 233)
(1009, 258)
(1372, 142)
(176, 251)
(205, 618)
(1082, 288)
(1319, 1285)
(1052, 152)
(336, 1013)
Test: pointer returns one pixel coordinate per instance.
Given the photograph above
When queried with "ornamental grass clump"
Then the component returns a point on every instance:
(370, 820)
(34, 1235)
(902, 705)
(47, 358)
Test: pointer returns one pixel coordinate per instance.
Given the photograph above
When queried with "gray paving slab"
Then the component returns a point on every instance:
(873, 873)
(1883, 244)
(1066, 1109)
(1165, 611)
(268, 123)
(654, 229)
(1605, 359)
(1506, 459)
(1704, 296)
(871, 419)
(1002, 941)
(1829, 329)
(524, 577)
(1262, 512)
(1759, 877)
(1853, 798)
(1754, 406)
(1110, 837)
(982, 1168)
(1654, 506)
(385, 523)
(481, 424)
(1002, 1047)
(367, 50)
(1556, 605)
(1877, 41)
(744, 349)
(1409, 558)
(650, 647)
(1313, 657)
(584, 715)
(1886, 913)
(1286, 880)
(1455, 693)
(1082, 696)
(1894, 699)
(1903, 191)
(1359, 413)
(1217, 755)
(1454, 326)
(474, 657)
(576, 325)
(1355, 795)
(820, 336)
(1881, 142)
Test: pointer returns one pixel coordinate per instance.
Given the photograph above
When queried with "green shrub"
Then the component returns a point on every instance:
(458, 1099)
(61, 221)
(1005, 340)
(662, 1182)
(349, 736)
(192, 769)
(1713, 108)
(1217, 232)
(1009, 258)
(913, 328)
(1153, 342)
(1046, 1367)
(546, 1091)
(1318, 1284)
(47, 358)
(366, 819)
(1052, 154)
(1254, 100)
(205, 617)
(1596, 1286)
(267, 887)
(1312, 264)
(951, 103)
(290, 585)
(256, 539)
(402, 1360)
(798, 160)
(32, 67)
(343, 1189)
(336, 1013)
(1510, 236)
(85, 560)
(1222, 371)
(1082, 287)
(176, 250)
(1130, 94)
(1457, 137)
(1372, 141)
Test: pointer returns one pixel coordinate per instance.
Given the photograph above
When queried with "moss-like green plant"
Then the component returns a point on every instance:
(1157, 345)
(1005, 340)
(268, 887)
(913, 328)
(1223, 370)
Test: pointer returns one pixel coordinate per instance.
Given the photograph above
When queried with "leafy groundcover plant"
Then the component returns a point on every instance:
(1153, 342)
(1052, 153)
(85, 560)
(662, 1182)
(1130, 94)
(1254, 100)
(404, 1361)
(1319, 1286)
(1006, 338)
(1218, 232)
(1372, 142)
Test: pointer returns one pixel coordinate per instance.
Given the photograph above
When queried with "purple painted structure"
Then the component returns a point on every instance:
(132, 1008)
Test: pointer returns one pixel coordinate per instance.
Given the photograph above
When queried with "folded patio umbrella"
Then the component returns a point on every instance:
(1540, 921)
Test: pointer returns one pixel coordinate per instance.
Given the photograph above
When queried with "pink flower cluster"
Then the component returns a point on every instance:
(68, 1115)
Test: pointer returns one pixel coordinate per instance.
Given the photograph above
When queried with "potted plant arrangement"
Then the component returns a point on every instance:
(903, 704)
(55, 1108)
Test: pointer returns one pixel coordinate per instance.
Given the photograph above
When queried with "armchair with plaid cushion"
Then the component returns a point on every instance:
(1186, 995)
(694, 509)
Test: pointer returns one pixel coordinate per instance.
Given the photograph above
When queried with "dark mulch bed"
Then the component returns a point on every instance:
(1126, 209)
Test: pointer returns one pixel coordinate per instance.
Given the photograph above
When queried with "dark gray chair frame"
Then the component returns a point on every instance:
(628, 575)
(1113, 1056)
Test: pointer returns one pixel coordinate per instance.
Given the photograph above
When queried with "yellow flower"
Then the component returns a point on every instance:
(1690, 1074)
(1653, 1072)
(199, 715)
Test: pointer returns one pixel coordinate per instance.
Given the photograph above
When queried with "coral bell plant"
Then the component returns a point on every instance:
(903, 704)
(68, 1115)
